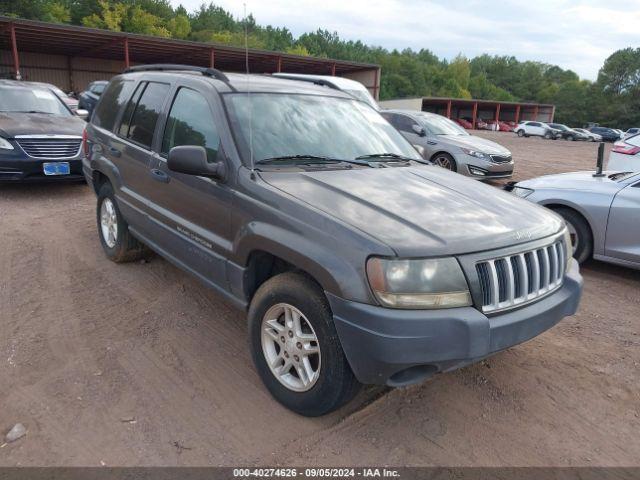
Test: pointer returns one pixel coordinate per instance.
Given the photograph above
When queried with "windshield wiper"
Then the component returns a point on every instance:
(384, 155)
(32, 111)
(307, 160)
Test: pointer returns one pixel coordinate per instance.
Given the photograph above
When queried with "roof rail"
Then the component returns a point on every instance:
(163, 67)
(315, 81)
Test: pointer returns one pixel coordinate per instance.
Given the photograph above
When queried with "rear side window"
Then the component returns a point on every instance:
(403, 123)
(190, 123)
(145, 114)
(116, 94)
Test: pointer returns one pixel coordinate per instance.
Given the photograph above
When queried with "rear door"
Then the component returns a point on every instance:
(623, 228)
(192, 214)
(131, 150)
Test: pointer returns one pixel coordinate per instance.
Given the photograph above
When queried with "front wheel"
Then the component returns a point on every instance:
(580, 233)
(520, 133)
(547, 135)
(445, 160)
(295, 346)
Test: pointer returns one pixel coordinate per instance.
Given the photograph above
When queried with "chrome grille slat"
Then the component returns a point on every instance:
(517, 279)
(50, 147)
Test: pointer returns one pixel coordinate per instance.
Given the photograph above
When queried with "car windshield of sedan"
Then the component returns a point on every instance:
(273, 126)
(26, 100)
(559, 126)
(438, 125)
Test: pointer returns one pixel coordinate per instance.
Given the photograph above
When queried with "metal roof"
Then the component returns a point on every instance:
(74, 41)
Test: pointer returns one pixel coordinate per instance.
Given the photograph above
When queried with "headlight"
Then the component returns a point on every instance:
(419, 283)
(5, 145)
(569, 247)
(474, 153)
(521, 192)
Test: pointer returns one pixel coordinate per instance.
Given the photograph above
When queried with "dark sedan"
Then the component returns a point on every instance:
(607, 134)
(40, 138)
(89, 98)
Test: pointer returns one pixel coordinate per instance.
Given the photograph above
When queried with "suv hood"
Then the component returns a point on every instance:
(475, 143)
(12, 124)
(420, 211)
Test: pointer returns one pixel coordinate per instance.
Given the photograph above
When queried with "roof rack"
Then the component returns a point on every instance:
(163, 67)
(315, 81)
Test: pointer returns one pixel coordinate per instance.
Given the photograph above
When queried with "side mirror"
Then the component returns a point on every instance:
(83, 114)
(192, 160)
(419, 130)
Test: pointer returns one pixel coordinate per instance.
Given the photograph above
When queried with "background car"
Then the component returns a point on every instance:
(568, 133)
(40, 138)
(601, 212)
(450, 146)
(607, 134)
(631, 132)
(88, 99)
(69, 101)
(532, 128)
(625, 155)
(619, 132)
(591, 137)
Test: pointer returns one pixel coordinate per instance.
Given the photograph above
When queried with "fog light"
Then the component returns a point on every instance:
(477, 171)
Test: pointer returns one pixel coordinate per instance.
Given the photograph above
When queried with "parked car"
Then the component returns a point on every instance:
(480, 123)
(568, 133)
(352, 87)
(631, 132)
(450, 146)
(40, 138)
(591, 137)
(607, 134)
(619, 132)
(601, 212)
(464, 123)
(88, 99)
(531, 128)
(356, 260)
(625, 155)
(69, 101)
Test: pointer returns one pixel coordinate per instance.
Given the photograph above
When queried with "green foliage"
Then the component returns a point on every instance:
(614, 99)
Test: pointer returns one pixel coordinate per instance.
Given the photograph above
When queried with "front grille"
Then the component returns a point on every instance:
(500, 158)
(50, 147)
(513, 280)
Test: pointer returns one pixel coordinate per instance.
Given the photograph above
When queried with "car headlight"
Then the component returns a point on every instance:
(569, 249)
(474, 153)
(418, 283)
(521, 192)
(5, 145)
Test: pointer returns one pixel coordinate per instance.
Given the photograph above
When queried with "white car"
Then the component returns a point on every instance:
(531, 128)
(631, 132)
(625, 155)
(352, 87)
(592, 137)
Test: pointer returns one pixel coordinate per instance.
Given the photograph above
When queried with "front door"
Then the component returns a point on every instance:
(192, 213)
(623, 228)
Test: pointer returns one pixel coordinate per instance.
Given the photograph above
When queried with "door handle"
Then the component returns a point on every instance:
(159, 176)
(115, 152)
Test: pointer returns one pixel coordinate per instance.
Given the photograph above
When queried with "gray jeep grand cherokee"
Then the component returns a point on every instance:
(357, 260)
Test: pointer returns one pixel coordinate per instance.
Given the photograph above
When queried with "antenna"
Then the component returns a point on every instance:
(246, 56)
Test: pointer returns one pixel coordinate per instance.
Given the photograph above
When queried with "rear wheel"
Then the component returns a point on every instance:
(571, 138)
(580, 233)
(117, 242)
(295, 346)
(445, 160)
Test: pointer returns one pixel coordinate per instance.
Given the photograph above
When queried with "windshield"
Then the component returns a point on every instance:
(20, 99)
(439, 125)
(284, 125)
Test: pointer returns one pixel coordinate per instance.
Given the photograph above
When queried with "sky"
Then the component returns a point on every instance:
(576, 34)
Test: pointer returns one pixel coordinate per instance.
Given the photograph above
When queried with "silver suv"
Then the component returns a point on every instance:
(450, 146)
(355, 260)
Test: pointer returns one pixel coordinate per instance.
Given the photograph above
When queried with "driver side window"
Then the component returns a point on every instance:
(190, 122)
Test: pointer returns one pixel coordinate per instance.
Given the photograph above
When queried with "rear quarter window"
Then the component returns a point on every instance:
(114, 97)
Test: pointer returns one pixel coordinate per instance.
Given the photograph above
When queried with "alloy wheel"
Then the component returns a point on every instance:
(443, 162)
(108, 222)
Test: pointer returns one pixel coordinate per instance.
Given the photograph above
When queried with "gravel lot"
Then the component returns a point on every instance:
(138, 364)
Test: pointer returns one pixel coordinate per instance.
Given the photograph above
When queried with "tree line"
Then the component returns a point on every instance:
(613, 99)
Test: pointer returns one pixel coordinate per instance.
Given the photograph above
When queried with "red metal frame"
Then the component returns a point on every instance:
(497, 113)
(279, 65)
(535, 113)
(212, 58)
(449, 109)
(475, 114)
(14, 52)
(517, 114)
(126, 52)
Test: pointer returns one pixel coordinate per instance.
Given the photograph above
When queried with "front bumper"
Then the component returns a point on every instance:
(402, 347)
(482, 169)
(19, 167)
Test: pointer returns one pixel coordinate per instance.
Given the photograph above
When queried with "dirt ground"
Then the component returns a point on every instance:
(139, 364)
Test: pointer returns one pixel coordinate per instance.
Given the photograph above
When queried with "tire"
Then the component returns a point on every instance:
(445, 161)
(121, 246)
(547, 135)
(591, 139)
(520, 133)
(580, 231)
(332, 383)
